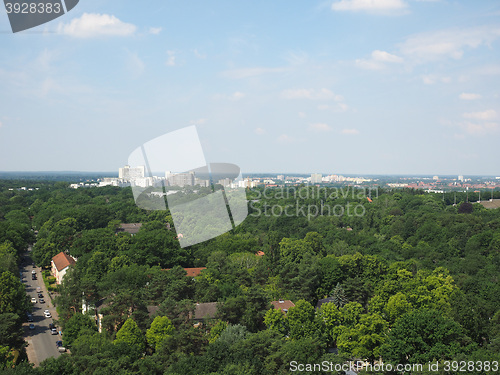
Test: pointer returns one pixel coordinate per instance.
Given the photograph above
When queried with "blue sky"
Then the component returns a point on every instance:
(350, 86)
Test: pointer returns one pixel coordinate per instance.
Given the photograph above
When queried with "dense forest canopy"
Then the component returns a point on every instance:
(411, 278)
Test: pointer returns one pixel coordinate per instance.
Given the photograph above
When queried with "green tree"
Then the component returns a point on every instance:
(76, 326)
(160, 328)
(130, 334)
(302, 320)
(339, 297)
(423, 335)
(275, 319)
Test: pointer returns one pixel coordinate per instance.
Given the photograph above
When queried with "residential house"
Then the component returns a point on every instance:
(60, 265)
(282, 304)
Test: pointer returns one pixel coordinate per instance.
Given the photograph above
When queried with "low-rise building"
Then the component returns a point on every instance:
(60, 265)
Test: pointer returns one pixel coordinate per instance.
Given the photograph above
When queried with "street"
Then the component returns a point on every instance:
(41, 342)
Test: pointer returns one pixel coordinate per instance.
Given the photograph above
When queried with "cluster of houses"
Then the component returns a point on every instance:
(202, 312)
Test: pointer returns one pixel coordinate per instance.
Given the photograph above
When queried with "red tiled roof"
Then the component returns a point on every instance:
(62, 260)
(282, 304)
(191, 271)
(260, 253)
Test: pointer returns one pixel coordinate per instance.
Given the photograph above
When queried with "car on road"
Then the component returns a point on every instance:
(40, 295)
(46, 311)
(33, 272)
(30, 317)
(52, 325)
(32, 326)
(41, 300)
(53, 331)
(47, 315)
(59, 343)
(33, 300)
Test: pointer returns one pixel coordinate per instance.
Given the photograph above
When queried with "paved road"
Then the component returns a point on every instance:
(41, 343)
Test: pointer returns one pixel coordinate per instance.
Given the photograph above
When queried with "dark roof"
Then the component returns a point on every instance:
(132, 228)
(324, 300)
(283, 304)
(205, 310)
(62, 260)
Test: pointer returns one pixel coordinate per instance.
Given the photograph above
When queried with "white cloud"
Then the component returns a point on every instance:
(1, 124)
(489, 114)
(469, 96)
(284, 138)
(260, 131)
(199, 55)
(199, 121)
(378, 60)
(383, 56)
(372, 6)
(350, 131)
(237, 95)
(480, 129)
(94, 25)
(302, 115)
(321, 94)
(432, 79)
(155, 30)
(432, 46)
(171, 58)
(251, 72)
(319, 127)
(135, 65)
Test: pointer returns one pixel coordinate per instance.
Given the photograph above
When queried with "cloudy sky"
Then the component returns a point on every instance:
(343, 86)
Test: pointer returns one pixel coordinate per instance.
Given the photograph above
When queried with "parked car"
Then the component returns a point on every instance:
(33, 300)
(33, 272)
(40, 295)
(32, 326)
(59, 343)
(41, 300)
(47, 315)
(53, 331)
(46, 311)
(30, 317)
(52, 325)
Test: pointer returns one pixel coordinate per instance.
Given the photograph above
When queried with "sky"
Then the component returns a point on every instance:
(343, 86)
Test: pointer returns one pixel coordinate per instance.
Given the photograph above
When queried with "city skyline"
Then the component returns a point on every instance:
(403, 87)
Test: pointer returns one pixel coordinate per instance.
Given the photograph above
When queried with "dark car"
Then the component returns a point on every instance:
(32, 326)
(40, 295)
(30, 318)
(59, 343)
(41, 300)
(52, 325)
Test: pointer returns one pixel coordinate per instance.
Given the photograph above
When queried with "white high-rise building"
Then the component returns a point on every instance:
(316, 178)
(460, 178)
(129, 173)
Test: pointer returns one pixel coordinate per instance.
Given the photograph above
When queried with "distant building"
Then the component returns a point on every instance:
(460, 178)
(435, 178)
(60, 265)
(130, 173)
(192, 272)
(132, 228)
(181, 179)
(280, 177)
(282, 304)
(207, 310)
(316, 178)
(323, 301)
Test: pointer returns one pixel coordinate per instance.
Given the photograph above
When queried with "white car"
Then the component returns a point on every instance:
(33, 300)
(46, 311)
(47, 315)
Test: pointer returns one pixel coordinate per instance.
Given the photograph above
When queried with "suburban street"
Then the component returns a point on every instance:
(41, 343)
